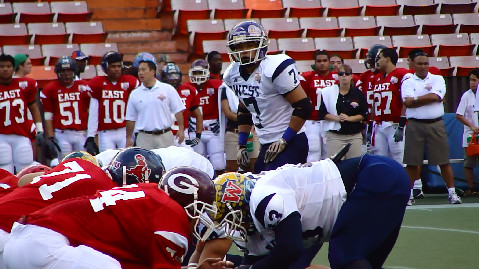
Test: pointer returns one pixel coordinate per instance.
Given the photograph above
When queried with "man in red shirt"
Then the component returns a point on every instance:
(17, 97)
(171, 74)
(312, 84)
(136, 226)
(215, 63)
(108, 105)
(65, 104)
(207, 96)
(388, 109)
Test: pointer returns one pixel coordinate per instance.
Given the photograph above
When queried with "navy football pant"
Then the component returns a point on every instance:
(295, 152)
(369, 221)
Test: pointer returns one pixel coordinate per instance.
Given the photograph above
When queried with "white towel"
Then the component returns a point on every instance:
(233, 103)
(329, 96)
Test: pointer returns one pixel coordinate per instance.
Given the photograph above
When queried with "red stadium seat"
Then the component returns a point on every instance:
(417, 7)
(43, 75)
(342, 46)
(363, 43)
(397, 25)
(456, 6)
(71, 11)
(189, 10)
(321, 27)
(357, 65)
(6, 13)
(443, 64)
(475, 40)
(228, 9)
(406, 43)
(379, 7)
(435, 24)
(268, 13)
(14, 34)
(297, 48)
(304, 8)
(230, 23)
(216, 45)
(282, 27)
(33, 51)
(304, 65)
(464, 64)
(452, 45)
(467, 23)
(86, 32)
(204, 30)
(402, 63)
(54, 51)
(342, 8)
(33, 12)
(97, 50)
(273, 47)
(90, 72)
(48, 33)
(362, 26)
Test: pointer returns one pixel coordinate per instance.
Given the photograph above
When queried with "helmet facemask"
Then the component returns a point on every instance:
(249, 55)
(203, 213)
(199, 75)
(232, 224)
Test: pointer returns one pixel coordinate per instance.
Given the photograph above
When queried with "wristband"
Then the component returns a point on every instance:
(289, 134)
(402, 122)
(198, 135)
(242, 138)
(39, 126)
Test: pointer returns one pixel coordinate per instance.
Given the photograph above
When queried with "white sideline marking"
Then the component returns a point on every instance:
(398, 267)
(425, 207)
(440, 229)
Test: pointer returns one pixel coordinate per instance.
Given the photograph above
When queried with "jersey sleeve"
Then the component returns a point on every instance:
(95, 87)
(273, 209)
(32, 89)
(461, 108)
(45, 98)
(285, 77)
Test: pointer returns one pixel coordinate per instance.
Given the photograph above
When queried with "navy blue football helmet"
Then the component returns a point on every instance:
(109, 58)
(65, 62)
(247, 31)
(171, 74)
(371, 56)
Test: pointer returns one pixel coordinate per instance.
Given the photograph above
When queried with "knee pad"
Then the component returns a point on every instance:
(6, 156)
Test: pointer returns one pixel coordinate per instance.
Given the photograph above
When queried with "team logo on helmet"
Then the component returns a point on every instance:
(183, 186)
(141, 171)
(232, 193)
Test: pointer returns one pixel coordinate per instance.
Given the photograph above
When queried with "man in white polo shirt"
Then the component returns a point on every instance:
(149, 111)
(422, 96)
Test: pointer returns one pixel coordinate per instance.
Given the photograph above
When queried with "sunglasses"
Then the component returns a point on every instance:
(344, 74)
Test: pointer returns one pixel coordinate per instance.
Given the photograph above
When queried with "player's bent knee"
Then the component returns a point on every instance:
(6, 156)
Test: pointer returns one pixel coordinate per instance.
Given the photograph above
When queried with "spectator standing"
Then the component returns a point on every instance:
(81, 60)
(422, 96)
(149, 111)
(466, 115)
(344, 108)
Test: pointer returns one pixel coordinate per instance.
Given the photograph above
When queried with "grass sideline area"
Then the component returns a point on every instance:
(434, 235)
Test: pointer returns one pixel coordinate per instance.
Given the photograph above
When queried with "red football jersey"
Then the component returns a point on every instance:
(72, 178)
(69, 106)
(387, 96)
(187, 94)
(208, 98)
(312, 85)
(365, 84)
(138, 225)
(14, 100)
(432, 69)
(8, 182)
(112, 100)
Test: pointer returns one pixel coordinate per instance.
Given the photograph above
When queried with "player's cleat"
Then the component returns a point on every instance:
(459, 192)
(411, 201)
(418, 194)
(454, 199)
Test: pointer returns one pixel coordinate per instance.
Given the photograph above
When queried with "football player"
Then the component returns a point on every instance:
(108, 105)
(314, 81)
(8, 182)
(17, 97)
(291, 211)
(389, 112)
(171, 74)
(161, 216)
(271, 98)
(65, 104)
(215, 63)
(210, 143)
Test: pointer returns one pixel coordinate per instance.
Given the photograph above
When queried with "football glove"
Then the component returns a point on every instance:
(53, 148)
(274, 149)
(399, 134)
(215, 128)
(242, 156)
(40, 139)
(91, 146)
(192, 142)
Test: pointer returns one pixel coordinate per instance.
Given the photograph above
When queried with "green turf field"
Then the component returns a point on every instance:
(434, 235)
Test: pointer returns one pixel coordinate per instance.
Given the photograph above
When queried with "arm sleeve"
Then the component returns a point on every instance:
(131, 112)
(288, 246)
(93, 118)
(439, 86)
(407, 89)
(461, 108)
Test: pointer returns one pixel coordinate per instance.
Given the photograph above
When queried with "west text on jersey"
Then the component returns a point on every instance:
(242, 90)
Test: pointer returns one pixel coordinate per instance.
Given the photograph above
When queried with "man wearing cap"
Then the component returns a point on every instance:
(23, 65)
(81, 60)
(109, 94)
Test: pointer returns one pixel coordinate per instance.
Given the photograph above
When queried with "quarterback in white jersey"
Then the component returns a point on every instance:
(296, 208)
(271, 98)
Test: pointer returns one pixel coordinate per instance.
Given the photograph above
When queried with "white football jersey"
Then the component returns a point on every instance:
(174, 156)
(105, 157)
(315, 190)
(262, 93)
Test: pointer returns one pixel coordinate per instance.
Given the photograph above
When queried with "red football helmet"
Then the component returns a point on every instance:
(34, 168)
(193, 189)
